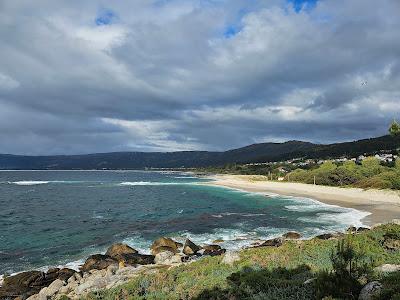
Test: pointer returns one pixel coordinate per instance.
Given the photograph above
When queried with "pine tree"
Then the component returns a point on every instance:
(394, 129)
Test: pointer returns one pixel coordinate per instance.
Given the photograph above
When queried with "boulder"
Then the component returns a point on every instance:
(362, 229)
(329, 236)
(391, 244)
(387, 268)
(190, 248)
(370, 291)
(351, 229)
(97, 262)
(218, 241)
(165, 244)
(213, 250)
(116, 250)
(168, 258)
(161, 257)
(396, 221)
(52, 289)
(163, 249)
(277, 242)
(65, 273)
(292, 235)
(231, 257)
(23, 285)
(325, 236)
(136, 259)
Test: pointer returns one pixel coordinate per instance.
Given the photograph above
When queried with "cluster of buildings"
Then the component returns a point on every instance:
(382, 156)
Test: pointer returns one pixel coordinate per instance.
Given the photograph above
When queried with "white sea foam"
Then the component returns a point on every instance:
(142, 183)
(139, 243)
(336, 216)
(39, 182)
(237, 214)
(28, 182)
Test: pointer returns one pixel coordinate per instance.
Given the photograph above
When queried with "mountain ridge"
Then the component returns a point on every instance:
(255, 153)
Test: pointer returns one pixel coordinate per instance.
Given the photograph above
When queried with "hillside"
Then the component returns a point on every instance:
(262, 152)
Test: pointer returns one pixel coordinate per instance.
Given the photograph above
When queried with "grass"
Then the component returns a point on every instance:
(261, 273)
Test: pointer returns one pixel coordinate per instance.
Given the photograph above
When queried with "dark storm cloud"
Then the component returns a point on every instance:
(177, 75)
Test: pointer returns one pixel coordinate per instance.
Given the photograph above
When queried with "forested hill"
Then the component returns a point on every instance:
(254, 153)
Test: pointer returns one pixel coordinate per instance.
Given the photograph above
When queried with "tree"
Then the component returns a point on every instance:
(394, 128)
(370, 166)
(350, 165)
(328, 166)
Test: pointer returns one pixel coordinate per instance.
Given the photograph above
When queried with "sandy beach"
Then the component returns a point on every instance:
(384, 205)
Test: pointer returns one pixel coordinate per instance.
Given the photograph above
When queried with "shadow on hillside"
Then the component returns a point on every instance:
(279, 283)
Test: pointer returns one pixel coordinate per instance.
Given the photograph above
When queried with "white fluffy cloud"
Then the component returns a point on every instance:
(164, 75)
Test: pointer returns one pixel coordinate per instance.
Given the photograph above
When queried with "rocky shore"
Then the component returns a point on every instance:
(122, 263)
(119, 264)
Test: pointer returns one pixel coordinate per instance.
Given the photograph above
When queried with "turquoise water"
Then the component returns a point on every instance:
(52, 218)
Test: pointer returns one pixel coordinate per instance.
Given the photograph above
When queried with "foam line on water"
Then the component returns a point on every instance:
(28, 182)
(333, 213)
(40, 182)
(144, 183)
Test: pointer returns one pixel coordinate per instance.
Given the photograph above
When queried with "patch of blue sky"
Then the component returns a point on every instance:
(230, 31)
(300, 5)
(235, 26)
(105, 17)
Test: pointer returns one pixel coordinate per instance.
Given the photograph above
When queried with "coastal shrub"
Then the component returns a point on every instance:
(391, 286)
(299, 175)
(280, 283)
(349, 269)
(375, 182)
(393, 177)
(371, 166)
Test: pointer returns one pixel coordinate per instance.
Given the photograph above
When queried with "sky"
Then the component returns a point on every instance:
(165, 75)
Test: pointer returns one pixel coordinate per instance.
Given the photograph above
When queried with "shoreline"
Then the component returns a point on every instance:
(383, 205)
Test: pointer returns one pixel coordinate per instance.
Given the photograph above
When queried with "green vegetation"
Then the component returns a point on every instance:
(394, 129)
(369, 174)
(349, 273)
(309, 269)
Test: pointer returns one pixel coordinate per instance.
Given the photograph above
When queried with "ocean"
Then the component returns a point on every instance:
(59, 218)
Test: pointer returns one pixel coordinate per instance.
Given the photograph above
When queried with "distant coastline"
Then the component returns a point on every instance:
(384, 205)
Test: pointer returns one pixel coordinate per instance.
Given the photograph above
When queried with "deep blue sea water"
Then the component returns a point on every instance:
(57, 218)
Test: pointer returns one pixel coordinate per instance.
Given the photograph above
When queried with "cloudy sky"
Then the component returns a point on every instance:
(164, 75)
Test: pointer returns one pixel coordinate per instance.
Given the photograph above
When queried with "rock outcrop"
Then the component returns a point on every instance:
(134, 259)
(370, 291)
(116, 251)
(168, 258)
(362, 229)
(276, 242)
(329, 236)
(98, 262)
(292, 235)
(213, 250)
(25, 284)
(190, 248)
(351, 229)
(164, 244)
(387, 268)
(391, 242)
